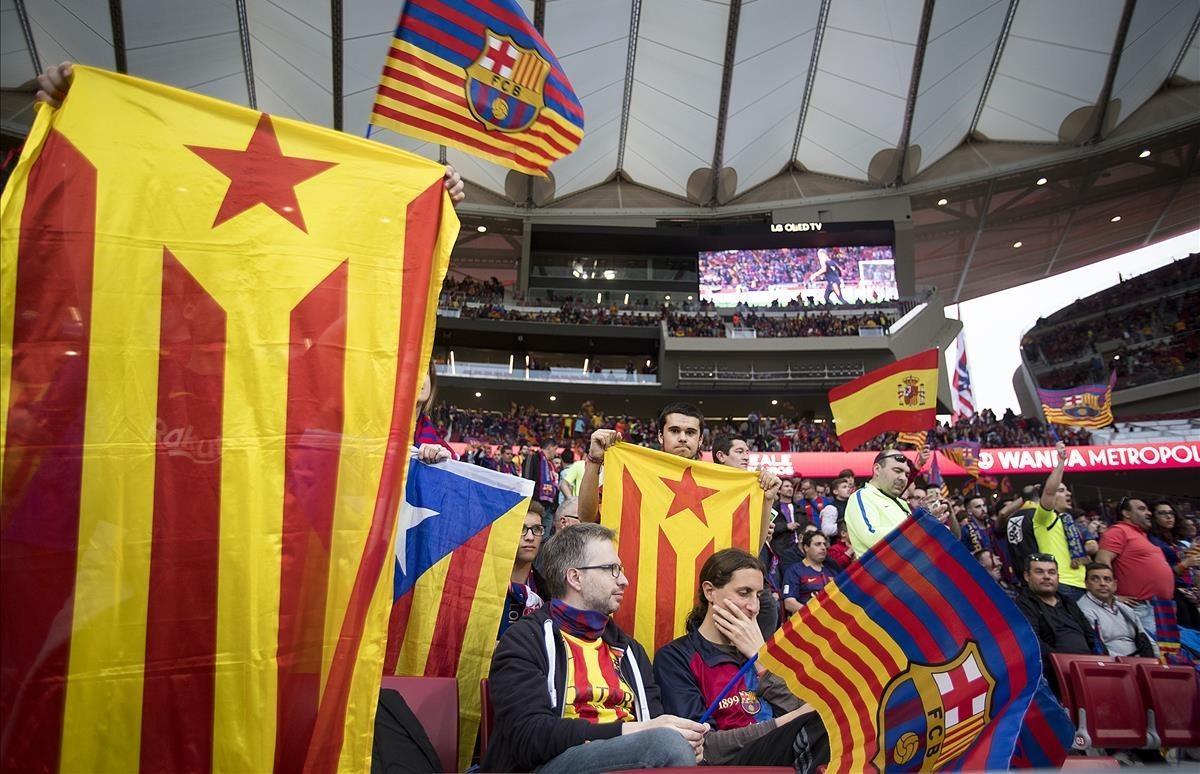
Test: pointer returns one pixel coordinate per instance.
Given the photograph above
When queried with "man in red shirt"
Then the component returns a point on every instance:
(1142, 572)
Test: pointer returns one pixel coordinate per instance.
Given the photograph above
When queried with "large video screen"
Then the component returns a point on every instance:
(820, 275)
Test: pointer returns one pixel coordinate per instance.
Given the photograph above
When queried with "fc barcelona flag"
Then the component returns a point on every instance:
(1089, 405)
(213, 327)
(458, 532)
(670, 514)
(914, 658)
(477, 75)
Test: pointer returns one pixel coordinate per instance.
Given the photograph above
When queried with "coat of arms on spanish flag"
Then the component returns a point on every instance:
(900, 396)
(670, 514)
(213, 326)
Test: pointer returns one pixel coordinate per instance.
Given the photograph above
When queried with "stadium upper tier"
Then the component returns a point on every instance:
(1147, 329)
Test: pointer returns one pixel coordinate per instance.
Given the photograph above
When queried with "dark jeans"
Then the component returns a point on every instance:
(802, 744)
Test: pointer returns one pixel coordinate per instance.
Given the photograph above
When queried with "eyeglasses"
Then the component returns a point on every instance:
(614, 569)
(536, 530)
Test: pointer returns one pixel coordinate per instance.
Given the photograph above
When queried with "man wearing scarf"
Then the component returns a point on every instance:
(539, 468)
(571, 692)
(1056, 533)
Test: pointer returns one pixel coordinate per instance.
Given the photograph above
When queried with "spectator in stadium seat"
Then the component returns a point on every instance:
(788, 527)
(760, 722)
(525, 588)
(835, 512)
(976, 534)
(840, 553)
(805, 579)
(506, 464)
(570, 691)
(1055, 531)
(987, 560)
(1141, 570)
(567, 514)
(915, 496)
(539, 468)
(733, 451)
(876, 509)
(1113, 622)
(570, 474)
(1057, 621)
(808, 503)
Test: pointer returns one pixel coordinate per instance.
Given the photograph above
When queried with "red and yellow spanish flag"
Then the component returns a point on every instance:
(670, 514)
(479, 77)
(900, 396)
(213, 327)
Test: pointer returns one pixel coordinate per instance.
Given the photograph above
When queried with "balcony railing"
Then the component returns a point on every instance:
(502, 371)
(809, 373)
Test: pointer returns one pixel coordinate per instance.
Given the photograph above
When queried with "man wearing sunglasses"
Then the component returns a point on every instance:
(877, 508)
(570, 691)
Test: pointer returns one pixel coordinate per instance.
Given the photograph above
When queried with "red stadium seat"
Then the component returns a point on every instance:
(1090, 762)
(486, 719)
(434, 700)
(1062, 671)
(1111, 711)
(1172, 695)
(1135, 660)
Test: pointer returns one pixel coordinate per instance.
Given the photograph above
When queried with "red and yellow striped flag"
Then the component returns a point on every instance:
(900, 396)
(670, 515)
(213, 327)
(918, 440)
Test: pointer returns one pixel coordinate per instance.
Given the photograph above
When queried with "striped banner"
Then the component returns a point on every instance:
(195, 543)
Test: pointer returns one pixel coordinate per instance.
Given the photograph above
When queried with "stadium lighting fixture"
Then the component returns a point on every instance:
(553, 397)
(626, 301)
(1144, 154)
(527, 361)
(586, 361)
(689, 298)
(943, 202)
(452, 369)
(647, 362)
(1116, 357)
(1114, 219)
(481, 229)
(598, 297)
(609, 274)
(667, 297)
(478, 394)
(1017, 244)
(510, 364)
(1042, 181)
(774, 402)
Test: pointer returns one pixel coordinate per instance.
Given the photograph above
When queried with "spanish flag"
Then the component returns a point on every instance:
(900, 396)
(213, 326)
(479, 77)
(670, 514)
(916, 660)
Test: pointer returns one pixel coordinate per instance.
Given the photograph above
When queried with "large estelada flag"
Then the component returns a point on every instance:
(670, 515)
(1089, 405)
(900, 396)
(914, 658)
(478, 76)
(457, 538)
(213, 327)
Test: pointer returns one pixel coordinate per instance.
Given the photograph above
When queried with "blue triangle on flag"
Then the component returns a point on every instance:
(442, 510)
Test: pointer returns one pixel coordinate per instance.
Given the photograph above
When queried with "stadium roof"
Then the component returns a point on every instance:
(702, 108)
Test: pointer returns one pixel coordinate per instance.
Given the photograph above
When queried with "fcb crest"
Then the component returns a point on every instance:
(911, 392)
(932, 713)
(1082, 406)
(506, 83)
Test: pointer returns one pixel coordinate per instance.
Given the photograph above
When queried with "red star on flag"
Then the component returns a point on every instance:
(261, 174)
(688, 495)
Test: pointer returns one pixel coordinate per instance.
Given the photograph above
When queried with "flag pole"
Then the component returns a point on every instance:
(728, 688)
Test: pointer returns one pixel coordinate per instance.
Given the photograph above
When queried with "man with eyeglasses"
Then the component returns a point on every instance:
(1139, 566)
(525, 586)
(877, 508)
(570, 691)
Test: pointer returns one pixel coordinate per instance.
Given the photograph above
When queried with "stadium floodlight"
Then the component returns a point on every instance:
(1017, 244)
(774, 402)
(481, 229)
(626, 301)
(1042, 181)
(1144, 154)
(943, 202)
(1114, 219)
(553, 397)
(585, 364)
(478, 394)
(599, 295)
(510, 364)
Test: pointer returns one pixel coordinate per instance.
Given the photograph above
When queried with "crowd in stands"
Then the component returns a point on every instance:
(456, 291)
(781, 433)
(798, 326)
(1150, 285)
(764, 269)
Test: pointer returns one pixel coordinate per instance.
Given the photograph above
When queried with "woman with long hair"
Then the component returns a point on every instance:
(759, 722)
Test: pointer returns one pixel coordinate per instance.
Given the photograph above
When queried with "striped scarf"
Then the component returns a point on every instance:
(584, 624)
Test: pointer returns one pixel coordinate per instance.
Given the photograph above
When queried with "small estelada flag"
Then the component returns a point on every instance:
(213, 327)
(670, 515)
(901, 396)
(478, 77)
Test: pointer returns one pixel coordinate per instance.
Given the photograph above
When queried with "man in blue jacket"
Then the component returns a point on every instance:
(570, 691)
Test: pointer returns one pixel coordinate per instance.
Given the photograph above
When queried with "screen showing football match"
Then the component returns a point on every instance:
(809, 275)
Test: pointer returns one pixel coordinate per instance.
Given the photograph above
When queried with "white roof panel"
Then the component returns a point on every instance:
(1156, 33)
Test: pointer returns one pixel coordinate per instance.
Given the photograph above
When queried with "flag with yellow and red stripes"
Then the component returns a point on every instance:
(213, 327)
(670, 515)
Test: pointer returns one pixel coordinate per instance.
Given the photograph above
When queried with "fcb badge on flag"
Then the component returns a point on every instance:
(505, 84)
